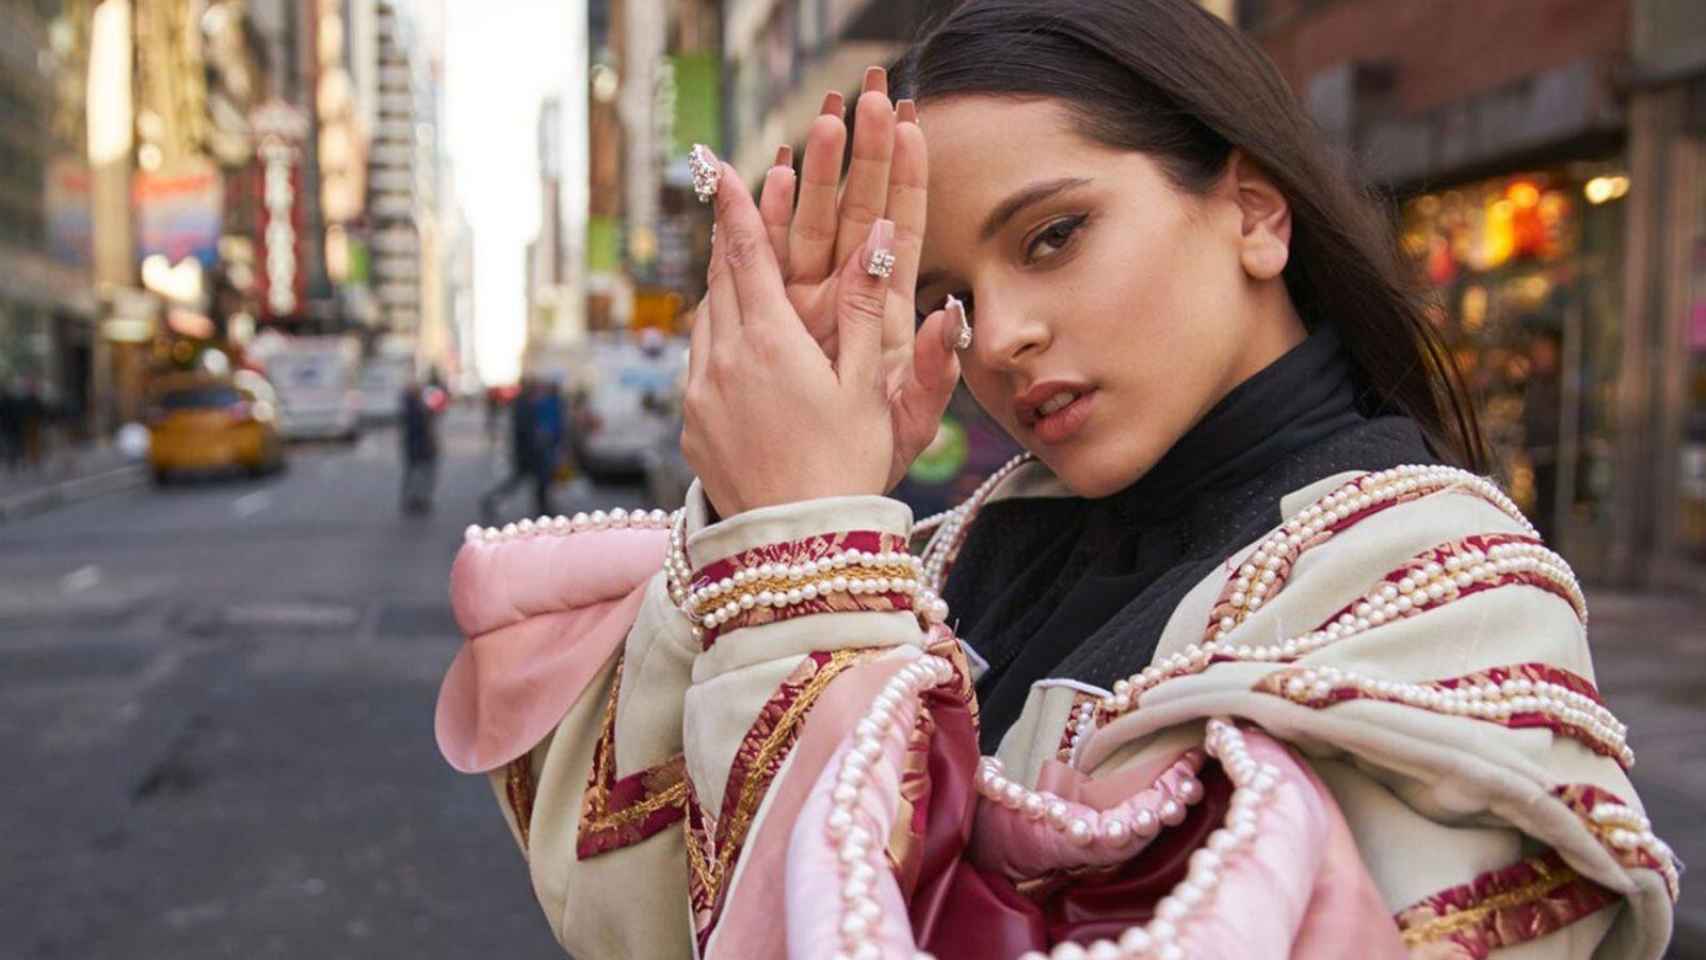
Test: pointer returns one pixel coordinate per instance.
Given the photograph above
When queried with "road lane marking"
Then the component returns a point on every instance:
(80, 579)
(252, 503)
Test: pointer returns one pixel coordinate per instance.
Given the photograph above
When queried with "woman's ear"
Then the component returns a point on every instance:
(1265, 240)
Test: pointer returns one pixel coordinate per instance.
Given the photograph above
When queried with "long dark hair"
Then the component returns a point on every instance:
(1170, 80)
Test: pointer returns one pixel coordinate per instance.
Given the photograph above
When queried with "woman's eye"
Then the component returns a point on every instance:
(1054, 237)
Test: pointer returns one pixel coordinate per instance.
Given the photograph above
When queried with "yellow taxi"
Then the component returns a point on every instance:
(199, 422)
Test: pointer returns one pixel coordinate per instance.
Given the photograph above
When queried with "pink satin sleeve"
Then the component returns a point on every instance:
(1301, 889)
(543, 615)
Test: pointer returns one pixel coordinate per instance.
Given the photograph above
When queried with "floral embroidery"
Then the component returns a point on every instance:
(1520, 696)
(715, 846)
(620, 813)
(1500, 908)
(1623, 831)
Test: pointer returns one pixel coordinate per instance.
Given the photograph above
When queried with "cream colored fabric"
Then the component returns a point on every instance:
(1433, 800)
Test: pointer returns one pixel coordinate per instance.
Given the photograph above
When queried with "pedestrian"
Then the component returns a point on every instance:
(529, 441)
(11, 427)
(420, 448)
(31, 411)
(1242, 657)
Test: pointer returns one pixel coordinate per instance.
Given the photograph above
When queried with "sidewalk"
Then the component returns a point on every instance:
(67, 477)
(1649, 652)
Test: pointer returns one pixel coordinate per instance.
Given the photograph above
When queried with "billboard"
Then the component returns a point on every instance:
(178, 212)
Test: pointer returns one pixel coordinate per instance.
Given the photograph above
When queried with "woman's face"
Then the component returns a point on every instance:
(1109, 309)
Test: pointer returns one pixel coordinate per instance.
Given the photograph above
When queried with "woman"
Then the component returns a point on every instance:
(1258, 672)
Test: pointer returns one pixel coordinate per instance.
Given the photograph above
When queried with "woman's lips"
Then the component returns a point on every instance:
(1060, 425)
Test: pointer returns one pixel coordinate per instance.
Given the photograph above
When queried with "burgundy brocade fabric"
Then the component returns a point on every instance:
(959, 910)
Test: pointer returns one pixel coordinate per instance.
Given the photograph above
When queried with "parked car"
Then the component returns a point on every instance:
(200, 423)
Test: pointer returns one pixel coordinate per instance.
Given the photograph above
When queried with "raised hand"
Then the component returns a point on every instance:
(772, 415)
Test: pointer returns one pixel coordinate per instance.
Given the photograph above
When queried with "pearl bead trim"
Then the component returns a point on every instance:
(1160, 939)
(1435, 583)
(1569, 711)
(1264, 573)
(712, 604)
(1117, 829)
(1630, 835)
(617, 519)
(944, 545)
(859, 844)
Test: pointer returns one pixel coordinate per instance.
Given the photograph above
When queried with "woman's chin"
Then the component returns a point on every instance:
(1089, 476)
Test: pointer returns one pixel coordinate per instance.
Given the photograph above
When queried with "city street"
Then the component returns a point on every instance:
(218, 722)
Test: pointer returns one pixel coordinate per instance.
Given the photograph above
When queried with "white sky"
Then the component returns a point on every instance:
(502, 58)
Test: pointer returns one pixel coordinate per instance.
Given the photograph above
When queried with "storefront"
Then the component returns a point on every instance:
(1529, 270)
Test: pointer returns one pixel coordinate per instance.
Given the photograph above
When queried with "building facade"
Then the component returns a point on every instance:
(48, 334)
(1543, 171)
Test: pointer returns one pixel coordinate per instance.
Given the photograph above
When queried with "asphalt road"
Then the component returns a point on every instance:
(217, 723)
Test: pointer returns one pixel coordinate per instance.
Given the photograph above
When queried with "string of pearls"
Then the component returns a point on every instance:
(1490, 701)
(1161, 938)
(860, 845)
(1627, 831)
(617, 519)
(1263, 574)
(1431, 585)
(944, 545)
(1117, 828)
(782, 585)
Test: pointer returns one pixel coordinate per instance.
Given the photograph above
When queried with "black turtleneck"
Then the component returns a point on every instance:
(1081, 589)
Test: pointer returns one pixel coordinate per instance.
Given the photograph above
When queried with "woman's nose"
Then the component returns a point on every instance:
(1004, 334)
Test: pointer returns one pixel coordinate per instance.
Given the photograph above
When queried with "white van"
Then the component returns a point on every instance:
(315, 378)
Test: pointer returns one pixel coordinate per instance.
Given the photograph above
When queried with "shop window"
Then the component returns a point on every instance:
(1528, 270)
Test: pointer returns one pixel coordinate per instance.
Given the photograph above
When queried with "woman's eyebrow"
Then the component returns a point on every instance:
(1016, 203)
(1008, 209)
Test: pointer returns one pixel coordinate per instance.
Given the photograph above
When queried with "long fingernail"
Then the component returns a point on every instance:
(956, 333)
(707, 172)
(906, 111)
(879, 259)
(834, 104)
(784, 156)
(876, 78)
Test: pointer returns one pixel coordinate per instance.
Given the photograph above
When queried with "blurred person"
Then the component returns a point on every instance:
(419, 438)
(1242, 658)
(11, 427)
(532, 446)
(31, 411)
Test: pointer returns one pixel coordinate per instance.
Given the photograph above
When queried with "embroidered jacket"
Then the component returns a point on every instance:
(1374, 733)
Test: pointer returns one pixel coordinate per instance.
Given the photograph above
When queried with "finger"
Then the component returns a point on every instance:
(909, 177)
(811, 240)
(699, 341)
(776, 203)
(930, 385)
(861, 303)
(722, 300)
(750, 263)
(864, 199)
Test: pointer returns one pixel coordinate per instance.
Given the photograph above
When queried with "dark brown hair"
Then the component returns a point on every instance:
(1170, 80)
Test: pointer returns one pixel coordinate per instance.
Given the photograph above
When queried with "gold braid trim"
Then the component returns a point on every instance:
(1471, 916)
(779, 740)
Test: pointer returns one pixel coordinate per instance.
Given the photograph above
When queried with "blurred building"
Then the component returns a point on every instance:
(1547, 154)
(47, 302)
(654, 88)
